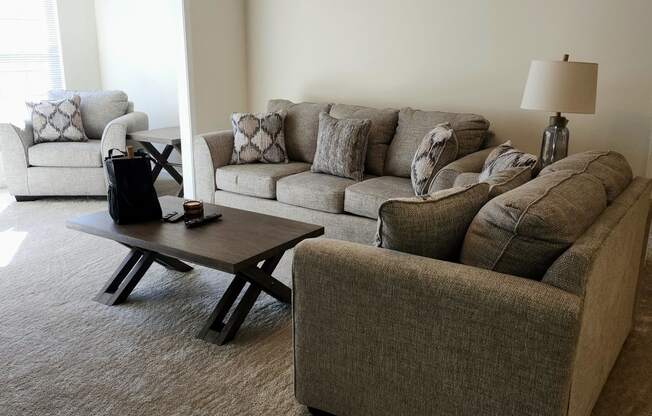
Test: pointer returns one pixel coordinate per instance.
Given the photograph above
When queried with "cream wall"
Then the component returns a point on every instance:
(139, 48)
(216, 61)
(465, 55)
(78, 36)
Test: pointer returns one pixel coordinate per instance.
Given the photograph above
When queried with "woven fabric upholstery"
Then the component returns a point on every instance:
(314, 190)
(383, 127)
(341, 147)
(379, 332)
(256, 179)
(508, 179)
(446, 176)
(466, 179)
(433, 226)
(437, 149)
(98, 108)
(523, 231)
(70, 154)
(341, 226)
(413, 125)
(364, 198)
(301, 127)
(610, 167)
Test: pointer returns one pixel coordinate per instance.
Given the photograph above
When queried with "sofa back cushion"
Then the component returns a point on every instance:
(301, 127)
(413, 125)
(98, 108)
(610, 167)
(523, 231)
(383, 127)
(432, 226)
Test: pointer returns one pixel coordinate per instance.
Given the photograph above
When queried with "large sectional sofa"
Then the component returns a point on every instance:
(347, 209)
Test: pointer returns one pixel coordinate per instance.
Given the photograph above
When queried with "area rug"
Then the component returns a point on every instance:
(63, 354)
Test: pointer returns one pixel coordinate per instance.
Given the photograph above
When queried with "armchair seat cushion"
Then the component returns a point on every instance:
(365, 197)
(318, 191)
(256, 179)
(66, 154)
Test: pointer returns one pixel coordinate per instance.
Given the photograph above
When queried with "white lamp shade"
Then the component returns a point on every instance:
(559, 86)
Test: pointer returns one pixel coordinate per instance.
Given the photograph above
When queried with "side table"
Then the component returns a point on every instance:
(171, 138)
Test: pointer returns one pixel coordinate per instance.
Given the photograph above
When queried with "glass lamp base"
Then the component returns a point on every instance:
(554, 145)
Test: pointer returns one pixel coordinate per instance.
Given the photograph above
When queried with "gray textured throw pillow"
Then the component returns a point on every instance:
(610, 167)
(432, 226)
(58, 121)
(341, 146)
(508, 179)
(258, 137)
(504, 157)
(523, 231)
(437, 149)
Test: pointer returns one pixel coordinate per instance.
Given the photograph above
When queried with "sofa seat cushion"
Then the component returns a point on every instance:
(312, 190)
(383, 126)
(256, 179)
(523, 231)
(470, 130)
(364, 198)
(66, 154)
(301, 127)
(610, 167)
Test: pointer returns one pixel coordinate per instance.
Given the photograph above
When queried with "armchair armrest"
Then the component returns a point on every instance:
(14, 143)
(115, 133)
(382, 332)
(211, 151)
(469, 163)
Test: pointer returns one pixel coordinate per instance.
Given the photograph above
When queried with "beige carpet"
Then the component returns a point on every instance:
(63, 354)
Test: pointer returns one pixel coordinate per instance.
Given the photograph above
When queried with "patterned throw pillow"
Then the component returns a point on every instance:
(258, 137)
(58, 121)
(504, 157)
(437, 149)
(432, 226)
(341, 146)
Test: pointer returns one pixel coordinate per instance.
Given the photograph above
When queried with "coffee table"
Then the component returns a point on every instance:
(236, 244)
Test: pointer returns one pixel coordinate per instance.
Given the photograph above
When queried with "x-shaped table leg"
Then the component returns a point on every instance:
(218, 331)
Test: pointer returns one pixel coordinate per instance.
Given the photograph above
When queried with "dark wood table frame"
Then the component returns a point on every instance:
(170, 137)
(246, 244)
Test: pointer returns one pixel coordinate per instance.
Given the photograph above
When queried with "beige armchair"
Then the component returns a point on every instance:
(69, 168)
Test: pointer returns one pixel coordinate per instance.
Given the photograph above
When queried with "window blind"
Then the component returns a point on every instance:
(30, 55)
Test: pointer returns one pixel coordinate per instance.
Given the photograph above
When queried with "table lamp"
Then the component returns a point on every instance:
(559, 87)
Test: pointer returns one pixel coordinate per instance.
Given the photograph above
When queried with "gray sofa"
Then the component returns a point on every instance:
(69, 168)
(379, 332)
(348, 210)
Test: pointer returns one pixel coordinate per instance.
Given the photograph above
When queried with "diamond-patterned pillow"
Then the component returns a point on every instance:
(258, 137)
(504, 157)
(58, 121)
(437, 149)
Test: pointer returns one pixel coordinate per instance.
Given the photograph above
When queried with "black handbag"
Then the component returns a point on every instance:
(132, 197)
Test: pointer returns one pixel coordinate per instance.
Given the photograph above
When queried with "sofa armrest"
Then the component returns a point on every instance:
(382, 332)
(211, 151)
(469, 163)
(115, 133)
(14, 143)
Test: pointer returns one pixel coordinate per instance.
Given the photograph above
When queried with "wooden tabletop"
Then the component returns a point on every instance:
(165, 135)
(241, 239)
